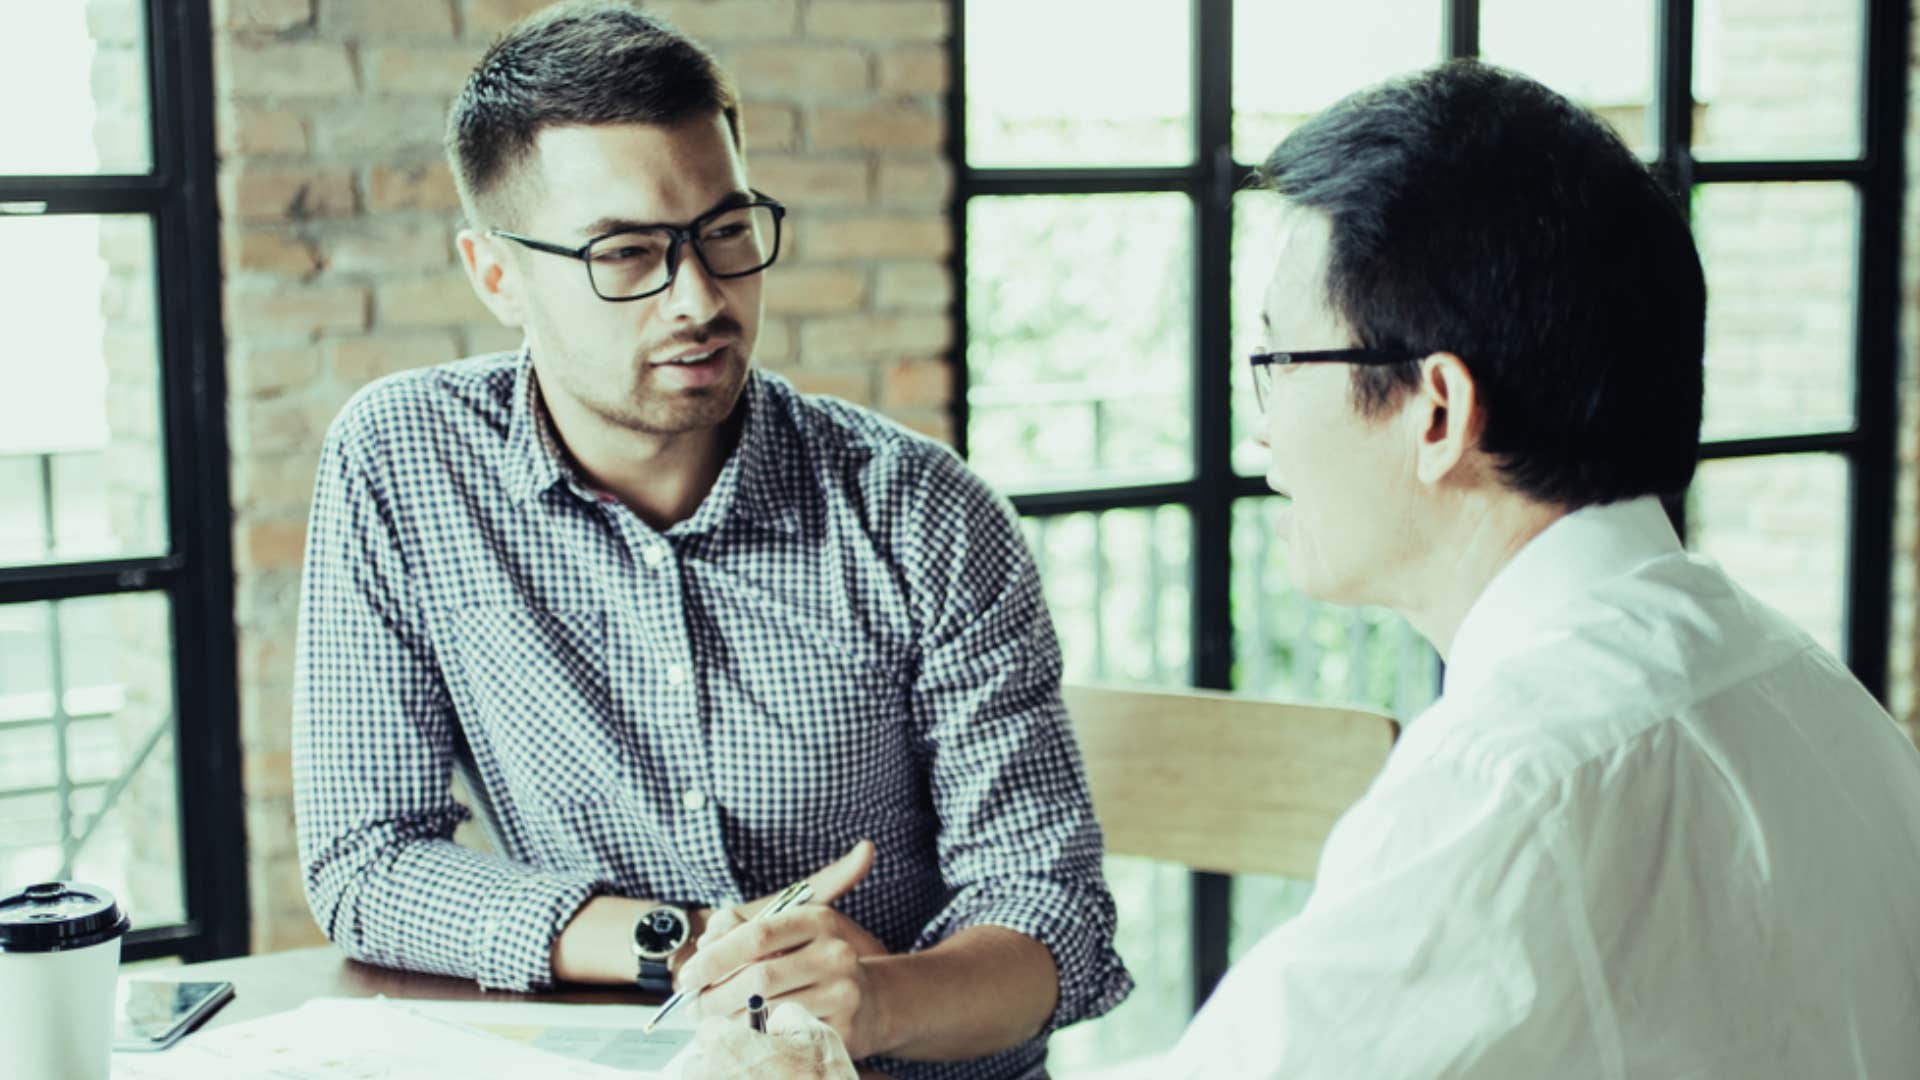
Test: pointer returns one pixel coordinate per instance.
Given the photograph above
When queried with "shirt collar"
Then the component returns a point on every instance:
(534, 460)
(750, 477)
(1576, 552)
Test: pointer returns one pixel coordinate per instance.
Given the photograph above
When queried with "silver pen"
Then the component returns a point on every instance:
(797, 893)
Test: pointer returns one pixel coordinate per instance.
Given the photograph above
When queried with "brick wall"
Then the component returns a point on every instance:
(338, 222)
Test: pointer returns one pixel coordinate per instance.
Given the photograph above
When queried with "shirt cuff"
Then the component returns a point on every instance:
(517, 925)
(1075, 925)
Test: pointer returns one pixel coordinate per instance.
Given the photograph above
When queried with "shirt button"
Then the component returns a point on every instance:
(654, 555)
(694, 799)
(676, 674)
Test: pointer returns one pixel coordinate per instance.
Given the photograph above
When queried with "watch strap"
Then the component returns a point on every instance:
(655, 977)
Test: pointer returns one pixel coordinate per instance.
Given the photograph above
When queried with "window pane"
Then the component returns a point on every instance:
(1777, 80)
(83, 67)
(1600, 55)
(1079, 338)
(1780, 285)
(1292, 60)
(1075, 82)
(1154, 906)
(1260, 903)
(1287, 646)
(80, 456)
(1116, 583)
(86, 749)
(1256, 225)
(1779, 526)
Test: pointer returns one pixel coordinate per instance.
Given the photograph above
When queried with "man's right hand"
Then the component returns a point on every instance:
(829, 883)
(810, 955)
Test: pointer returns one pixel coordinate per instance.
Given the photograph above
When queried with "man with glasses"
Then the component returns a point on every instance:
(690, 635)
(1650, 828)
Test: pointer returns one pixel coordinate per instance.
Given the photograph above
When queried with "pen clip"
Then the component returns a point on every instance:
(796, 893)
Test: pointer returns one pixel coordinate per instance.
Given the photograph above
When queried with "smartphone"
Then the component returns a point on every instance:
(154, 1013)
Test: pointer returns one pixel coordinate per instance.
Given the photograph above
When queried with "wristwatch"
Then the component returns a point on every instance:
(657, 935)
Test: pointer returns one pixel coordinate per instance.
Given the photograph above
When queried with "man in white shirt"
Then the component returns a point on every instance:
(1650, 829)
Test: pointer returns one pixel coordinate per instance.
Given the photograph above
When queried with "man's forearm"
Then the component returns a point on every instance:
(431, 905)
(596, 946)
(980, 991)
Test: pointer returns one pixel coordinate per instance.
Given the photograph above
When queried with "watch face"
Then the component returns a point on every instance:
(659, 932)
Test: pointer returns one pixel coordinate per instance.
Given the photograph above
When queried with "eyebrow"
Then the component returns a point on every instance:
(603, 226)
(1265, 323)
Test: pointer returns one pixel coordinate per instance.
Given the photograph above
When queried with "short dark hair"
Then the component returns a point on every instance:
(584, 62)
(1477, 212)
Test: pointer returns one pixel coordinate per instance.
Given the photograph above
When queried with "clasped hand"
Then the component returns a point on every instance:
(795, 1047)
(810, 956)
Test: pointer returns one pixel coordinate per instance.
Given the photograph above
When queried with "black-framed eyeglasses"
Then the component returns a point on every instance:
(636, 262)
(1264, 363)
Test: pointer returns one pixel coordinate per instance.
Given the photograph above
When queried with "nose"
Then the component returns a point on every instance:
(693, 295)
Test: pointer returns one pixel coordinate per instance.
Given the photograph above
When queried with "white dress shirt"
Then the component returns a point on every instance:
(1649, 830)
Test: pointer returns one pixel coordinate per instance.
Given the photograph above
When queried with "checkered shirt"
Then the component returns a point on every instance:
(847, 639)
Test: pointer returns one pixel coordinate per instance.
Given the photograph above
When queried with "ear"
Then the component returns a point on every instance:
(493, 274)
(1447, 410)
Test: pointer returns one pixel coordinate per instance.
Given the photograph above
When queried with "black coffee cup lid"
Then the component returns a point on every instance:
(56, 915)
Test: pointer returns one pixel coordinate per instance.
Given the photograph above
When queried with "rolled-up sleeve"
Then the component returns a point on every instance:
(1019, 845)
(373, 750)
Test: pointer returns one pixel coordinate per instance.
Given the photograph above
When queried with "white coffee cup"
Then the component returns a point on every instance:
(59, 959)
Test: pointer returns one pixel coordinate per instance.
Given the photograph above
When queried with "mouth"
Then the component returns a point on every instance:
(694, 355)
(696, 368)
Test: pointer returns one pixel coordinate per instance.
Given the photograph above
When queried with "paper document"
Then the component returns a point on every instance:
(395, 1039)
(606, 1035)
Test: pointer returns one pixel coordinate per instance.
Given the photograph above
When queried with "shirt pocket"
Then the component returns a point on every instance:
(837, 713)
(533, 689)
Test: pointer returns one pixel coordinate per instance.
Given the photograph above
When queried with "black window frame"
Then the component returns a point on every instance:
(178, 195)
(1211, 180)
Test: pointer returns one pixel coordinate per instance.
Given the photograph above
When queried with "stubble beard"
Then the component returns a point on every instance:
(650, 410)
(645, 408)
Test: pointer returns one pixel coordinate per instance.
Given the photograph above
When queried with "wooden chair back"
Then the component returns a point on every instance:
(1221, 782)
